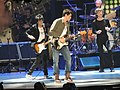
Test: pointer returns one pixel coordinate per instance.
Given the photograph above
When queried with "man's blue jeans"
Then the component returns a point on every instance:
(66, 54)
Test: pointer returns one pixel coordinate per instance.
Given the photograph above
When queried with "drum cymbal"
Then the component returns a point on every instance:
(116, 8)
(76, 8)
(86, 17)
(74, 22)
(89, 3)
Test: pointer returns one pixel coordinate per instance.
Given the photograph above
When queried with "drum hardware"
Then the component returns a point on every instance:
(86, 17)
(75, 9)
(75, 28)
(116, 8)
(87, 40)
(75, 47)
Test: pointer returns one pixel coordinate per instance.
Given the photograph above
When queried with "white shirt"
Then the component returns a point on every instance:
(42, 34)
(64, 32)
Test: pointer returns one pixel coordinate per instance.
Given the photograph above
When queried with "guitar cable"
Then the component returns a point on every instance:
(37, 74)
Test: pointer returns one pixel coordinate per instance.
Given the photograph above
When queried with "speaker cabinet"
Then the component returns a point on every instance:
(26, 50)
(8, 51)
(89, 62)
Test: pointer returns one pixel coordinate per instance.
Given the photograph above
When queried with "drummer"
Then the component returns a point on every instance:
(98, 4)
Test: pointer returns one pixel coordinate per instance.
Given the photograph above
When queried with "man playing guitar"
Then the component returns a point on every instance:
(38, 35)
(59, 29)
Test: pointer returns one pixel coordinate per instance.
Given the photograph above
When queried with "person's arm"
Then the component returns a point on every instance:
(29, 33)
(53, 29)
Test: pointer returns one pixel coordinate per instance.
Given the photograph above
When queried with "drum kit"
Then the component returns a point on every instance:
(87, 38)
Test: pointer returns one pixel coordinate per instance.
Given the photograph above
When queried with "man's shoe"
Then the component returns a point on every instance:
(58, 81)
(68, 79)
(101, 70)
(112, 70)
(29, 76)
(47, 77)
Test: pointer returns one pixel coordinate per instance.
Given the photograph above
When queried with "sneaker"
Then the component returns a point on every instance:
(101, 70)
(112, 70)
(28, 76)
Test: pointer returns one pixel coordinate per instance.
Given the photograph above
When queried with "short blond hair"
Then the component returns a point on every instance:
(98, 9)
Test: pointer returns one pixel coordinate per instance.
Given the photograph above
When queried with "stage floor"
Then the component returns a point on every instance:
(17, 80)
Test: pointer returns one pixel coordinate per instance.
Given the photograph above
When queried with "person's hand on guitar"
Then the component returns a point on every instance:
(73, 36)
(62, 39)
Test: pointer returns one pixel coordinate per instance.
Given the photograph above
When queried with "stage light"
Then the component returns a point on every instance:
(110, 4)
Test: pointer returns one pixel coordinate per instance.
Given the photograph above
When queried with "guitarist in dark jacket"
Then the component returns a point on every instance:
(37, 34)
(59, 29)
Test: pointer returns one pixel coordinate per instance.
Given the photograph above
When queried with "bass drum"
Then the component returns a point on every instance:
(111, 41)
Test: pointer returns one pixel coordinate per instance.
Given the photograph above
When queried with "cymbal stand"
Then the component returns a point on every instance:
(86, 27)
(75, 26)
(75, 51)
(117, 39)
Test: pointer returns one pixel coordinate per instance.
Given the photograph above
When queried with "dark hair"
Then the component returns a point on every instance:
(1, 86)
(40, 86)
(39, 17)
(69, 86)
(66, 11)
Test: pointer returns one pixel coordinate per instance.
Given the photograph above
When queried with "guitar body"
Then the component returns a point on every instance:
(58, 45)
(39, 47)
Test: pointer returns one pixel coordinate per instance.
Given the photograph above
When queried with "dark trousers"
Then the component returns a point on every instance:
(41, 59)
(100, 43)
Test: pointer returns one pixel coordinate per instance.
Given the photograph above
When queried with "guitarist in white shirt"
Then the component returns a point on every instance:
(38, 35)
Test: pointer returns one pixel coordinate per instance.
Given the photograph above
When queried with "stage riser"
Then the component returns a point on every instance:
(16, 51)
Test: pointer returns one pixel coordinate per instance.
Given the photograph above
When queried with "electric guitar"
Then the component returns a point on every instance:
(58, 45)
(39, 47)
(111, 41)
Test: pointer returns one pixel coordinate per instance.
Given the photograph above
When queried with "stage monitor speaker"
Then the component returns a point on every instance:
(26, 50)
(8, 51)
(89, 62)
